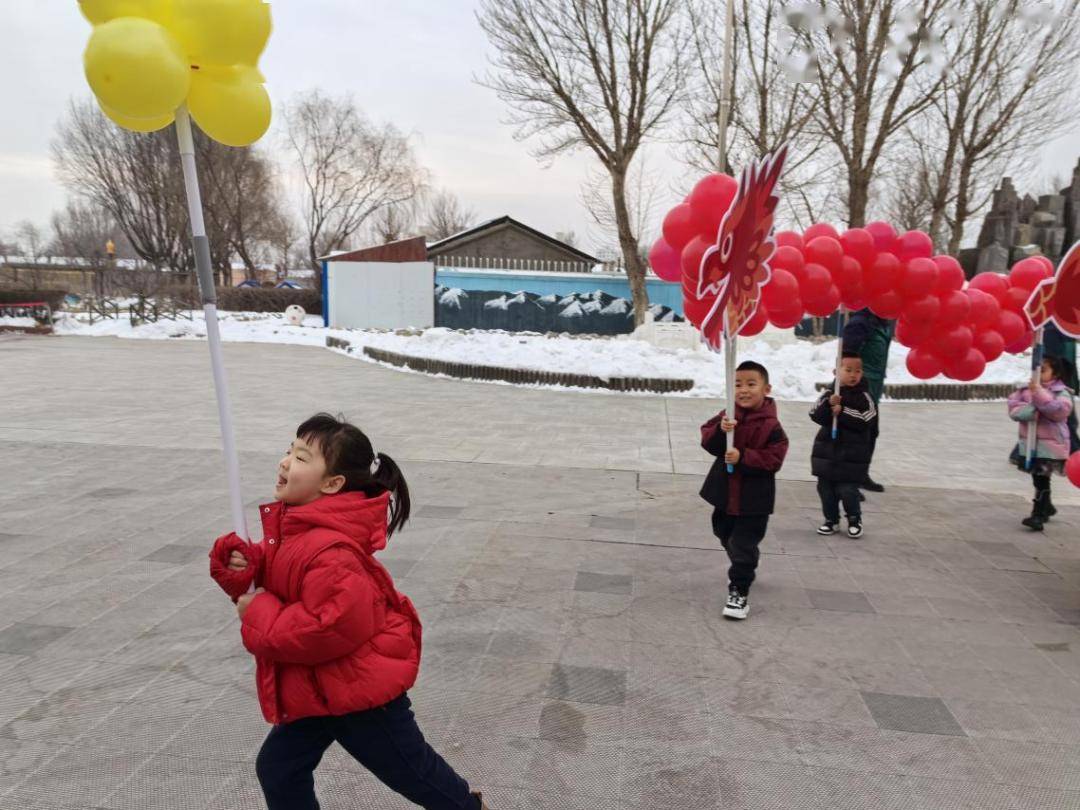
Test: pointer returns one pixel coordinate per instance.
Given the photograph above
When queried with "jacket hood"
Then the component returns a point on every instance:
(361, 519)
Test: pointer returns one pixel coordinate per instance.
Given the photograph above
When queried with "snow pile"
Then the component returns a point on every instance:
(18, 323)
(795, 367)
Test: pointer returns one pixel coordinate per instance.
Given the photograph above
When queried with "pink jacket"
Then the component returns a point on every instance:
(1052, 405)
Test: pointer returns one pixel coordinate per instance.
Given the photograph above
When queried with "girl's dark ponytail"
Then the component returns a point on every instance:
(388, 476)
(349, 452)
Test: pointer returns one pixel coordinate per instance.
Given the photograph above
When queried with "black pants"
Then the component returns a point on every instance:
(833, 493)
(1042, 485)
(740, 535)
(385, 740)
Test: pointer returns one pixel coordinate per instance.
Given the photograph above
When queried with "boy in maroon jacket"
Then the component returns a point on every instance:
(743, 499)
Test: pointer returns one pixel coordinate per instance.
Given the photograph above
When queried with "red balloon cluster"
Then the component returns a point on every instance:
(952, 328)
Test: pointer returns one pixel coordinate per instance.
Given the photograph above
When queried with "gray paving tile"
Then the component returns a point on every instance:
(591, 582)
(846, 601)
(587, 685)
(23, 638)
(177, 554)
(919, 715)
(439, 512)
(614, 523)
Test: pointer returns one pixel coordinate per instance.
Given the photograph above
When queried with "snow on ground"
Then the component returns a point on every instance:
(795, 367)
(19, 323)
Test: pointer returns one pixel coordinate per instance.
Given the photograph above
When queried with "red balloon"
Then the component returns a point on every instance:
(955, 308)
(993, 284)
(781, 291)
(679, 227)
(886, 305)
(819, 229)
(1072, 468)
(758, 321)
(665, 261)
(990, 343)
(1011, 326)
(923, 310)
(1015, 298)
(826, 251)
(789, 239)
(853, 298)
(858, 243)
(884, 235)
(848, 275)
(1021, 344)
(882, 276)
(824, 305)
(710, 200)
(912, 334)
(923, 364)
(695, 310)
(984, 307)
(967, 367)
(918, 279)
(954, 342)
(913, 245)
(691, 258)
(814, 284)
(786, 318)
(790, 259)
(1027, 273)
(950, 274)
(1049, 265)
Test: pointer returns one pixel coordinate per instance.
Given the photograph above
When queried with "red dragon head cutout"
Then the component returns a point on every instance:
(1058, 299)
(737, 266)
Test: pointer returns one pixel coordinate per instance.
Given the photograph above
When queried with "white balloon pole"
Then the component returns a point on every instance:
(205, 275)
(1036, 372)
(841, 319)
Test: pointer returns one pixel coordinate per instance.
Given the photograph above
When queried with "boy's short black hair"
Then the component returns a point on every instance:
(850, 356)
(751, 365)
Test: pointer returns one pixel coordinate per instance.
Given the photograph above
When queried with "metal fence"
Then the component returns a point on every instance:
(529, 265)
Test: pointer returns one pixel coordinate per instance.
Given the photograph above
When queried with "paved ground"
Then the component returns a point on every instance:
(574, 654)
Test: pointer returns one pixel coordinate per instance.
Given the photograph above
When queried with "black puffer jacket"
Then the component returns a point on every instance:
(847, 457)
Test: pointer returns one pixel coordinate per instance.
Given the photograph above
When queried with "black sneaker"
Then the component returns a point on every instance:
(871, 485)
(826, 528)
(737, 607)
(854, 528)
(1035, 523)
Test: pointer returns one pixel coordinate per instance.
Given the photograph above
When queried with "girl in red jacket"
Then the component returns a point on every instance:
(336, 646)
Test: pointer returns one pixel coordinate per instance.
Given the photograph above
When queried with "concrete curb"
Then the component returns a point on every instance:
(516, 376)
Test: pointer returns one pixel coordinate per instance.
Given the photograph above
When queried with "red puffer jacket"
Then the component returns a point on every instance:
(331, 634)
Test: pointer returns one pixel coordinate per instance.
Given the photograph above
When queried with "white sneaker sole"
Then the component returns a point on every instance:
(825, 533)
(736, 613)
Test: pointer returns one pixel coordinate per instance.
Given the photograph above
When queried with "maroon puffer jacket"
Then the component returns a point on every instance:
(331, 634)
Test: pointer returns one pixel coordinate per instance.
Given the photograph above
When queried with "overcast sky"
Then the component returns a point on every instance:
(411, 62)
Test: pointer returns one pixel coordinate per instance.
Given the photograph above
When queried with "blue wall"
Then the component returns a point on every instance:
(560, 284)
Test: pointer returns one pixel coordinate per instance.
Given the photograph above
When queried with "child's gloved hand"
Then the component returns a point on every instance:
(732, 456)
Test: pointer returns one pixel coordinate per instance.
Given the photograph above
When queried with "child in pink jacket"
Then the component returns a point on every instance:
(1048, 404)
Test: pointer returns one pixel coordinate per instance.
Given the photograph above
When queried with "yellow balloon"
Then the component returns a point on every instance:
(222, 32)
(230, 105)
(139, 124)
(101, 11)
(136, 68)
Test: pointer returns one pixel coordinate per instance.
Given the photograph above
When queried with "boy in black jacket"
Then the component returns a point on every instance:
(743, 499)
(841, 463)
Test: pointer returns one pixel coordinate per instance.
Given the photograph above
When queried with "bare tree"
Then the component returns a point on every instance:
(1011, 86)
(82, 229)
(394, 222)
(567, 238)
(351, 168)
(869, 52)
(910, 184)
(590, 74)
(31, 246)
(771, 106)
(135, 177)
(445, 215)
(642, 187)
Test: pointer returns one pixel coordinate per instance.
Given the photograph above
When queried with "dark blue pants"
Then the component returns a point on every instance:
(833, 493)
(385, 740)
